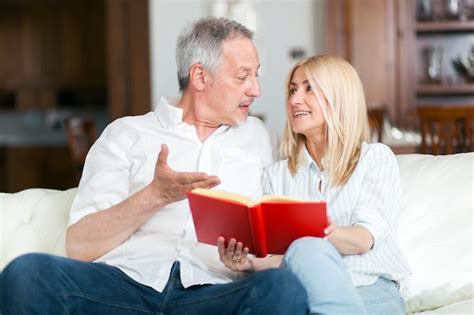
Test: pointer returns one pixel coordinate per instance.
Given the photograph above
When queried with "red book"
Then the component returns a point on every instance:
(267, 226)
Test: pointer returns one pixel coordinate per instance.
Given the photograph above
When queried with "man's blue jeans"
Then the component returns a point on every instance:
(46, 284)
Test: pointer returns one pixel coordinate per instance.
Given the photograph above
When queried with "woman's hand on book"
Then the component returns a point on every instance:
(349, 240)
(235, 255)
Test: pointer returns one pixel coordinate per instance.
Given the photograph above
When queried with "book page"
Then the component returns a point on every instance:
(280, 198)
(223, 195)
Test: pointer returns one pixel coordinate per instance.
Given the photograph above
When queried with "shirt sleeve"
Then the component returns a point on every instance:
(379, 198)
(104, 180)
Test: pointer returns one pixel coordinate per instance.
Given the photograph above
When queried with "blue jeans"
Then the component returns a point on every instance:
(46, 284)
(320, 268)
(382, 297)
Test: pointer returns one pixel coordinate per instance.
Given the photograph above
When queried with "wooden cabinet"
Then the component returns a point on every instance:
(42, 167)
(452, 38)
(365, 33)
(95, 50)
(58, 55)
(50, 46)
(385, 43)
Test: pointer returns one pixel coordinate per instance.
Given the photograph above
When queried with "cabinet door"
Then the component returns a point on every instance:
(377, 37)
(128, 57)
(364, 33)
(385, 43)
(27, 167)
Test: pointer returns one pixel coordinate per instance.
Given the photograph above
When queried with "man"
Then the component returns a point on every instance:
(131, 235)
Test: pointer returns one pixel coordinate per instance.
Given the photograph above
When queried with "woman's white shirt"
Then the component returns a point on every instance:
(370, 198)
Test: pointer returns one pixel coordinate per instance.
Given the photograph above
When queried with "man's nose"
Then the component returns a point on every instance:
(254, 88)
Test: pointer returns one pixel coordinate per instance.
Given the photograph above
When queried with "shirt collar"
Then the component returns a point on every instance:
(308, 165)
(167, 113)
(171, 116)
(307, 161)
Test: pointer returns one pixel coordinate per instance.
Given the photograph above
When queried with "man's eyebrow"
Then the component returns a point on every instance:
(248, 69)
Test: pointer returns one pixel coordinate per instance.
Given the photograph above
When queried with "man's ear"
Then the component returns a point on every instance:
(197, 77)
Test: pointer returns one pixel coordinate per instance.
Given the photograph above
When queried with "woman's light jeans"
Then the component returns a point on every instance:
(320, 268)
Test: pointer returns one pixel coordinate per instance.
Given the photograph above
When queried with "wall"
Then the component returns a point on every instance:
(276, 36)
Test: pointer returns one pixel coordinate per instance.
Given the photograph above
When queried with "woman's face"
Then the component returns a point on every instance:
(304, 111)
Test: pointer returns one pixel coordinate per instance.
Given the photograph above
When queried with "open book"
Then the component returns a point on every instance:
(267, 226)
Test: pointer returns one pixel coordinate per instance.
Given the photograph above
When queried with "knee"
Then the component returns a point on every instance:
(308, 252)
(25, 270)
(305, 246)
(285, 283)
(27, 262)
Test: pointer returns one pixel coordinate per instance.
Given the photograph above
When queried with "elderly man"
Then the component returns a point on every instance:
(131, 242)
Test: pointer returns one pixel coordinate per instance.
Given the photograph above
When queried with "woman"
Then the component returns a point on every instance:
(355, 268)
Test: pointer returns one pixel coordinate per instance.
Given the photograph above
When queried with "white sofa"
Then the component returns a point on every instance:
(435, 229)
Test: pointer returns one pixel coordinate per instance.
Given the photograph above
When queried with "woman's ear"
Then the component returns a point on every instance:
(197, 77)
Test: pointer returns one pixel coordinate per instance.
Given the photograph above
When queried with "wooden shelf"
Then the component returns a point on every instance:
(445, 89)
(445, 26)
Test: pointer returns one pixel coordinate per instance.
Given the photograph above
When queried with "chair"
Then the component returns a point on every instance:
(375, 116)
(81, 134)
(446, 130)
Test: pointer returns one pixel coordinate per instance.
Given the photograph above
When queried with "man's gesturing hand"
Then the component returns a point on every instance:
(171, 186)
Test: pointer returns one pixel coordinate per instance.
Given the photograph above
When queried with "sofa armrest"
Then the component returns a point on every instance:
(34, 220)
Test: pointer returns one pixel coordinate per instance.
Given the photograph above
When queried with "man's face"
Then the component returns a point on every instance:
(232, 89)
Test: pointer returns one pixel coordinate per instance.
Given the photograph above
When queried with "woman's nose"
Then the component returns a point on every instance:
(296, 99)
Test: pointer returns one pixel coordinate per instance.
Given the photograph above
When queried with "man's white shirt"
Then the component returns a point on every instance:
(122, 162)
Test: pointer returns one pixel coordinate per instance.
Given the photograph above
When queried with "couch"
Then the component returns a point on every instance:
(435, 229)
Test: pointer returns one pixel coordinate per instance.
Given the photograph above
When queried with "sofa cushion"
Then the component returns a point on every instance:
(458, 308)
(435, 229)
(34, 220)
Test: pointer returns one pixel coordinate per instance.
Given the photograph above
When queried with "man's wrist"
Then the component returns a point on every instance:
(151, 199)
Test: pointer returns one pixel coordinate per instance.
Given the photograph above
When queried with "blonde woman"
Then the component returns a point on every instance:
(356, 267)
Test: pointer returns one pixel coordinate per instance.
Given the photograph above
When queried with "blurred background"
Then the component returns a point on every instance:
(67, 66)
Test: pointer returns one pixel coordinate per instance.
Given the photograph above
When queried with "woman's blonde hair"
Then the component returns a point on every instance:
(334, 79)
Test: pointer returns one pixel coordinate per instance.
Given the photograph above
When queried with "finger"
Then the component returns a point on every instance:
(228, 252)
(198, 178)
(212, 181)
(245, 252)
(231, 247)
(238, 250)
(207, 183)
(329, 232)
(163, 155)
(188, 178)
(221, 247)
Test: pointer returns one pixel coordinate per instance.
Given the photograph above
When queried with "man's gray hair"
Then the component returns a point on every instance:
(202, 44)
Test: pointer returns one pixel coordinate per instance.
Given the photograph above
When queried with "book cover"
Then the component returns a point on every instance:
(266, 226)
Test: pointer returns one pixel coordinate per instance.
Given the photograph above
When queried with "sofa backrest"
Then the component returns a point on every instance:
(435, 229)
